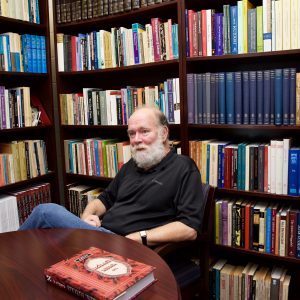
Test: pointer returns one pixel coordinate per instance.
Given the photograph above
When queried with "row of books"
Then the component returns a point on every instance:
(243, 28)
(244, 97)
(80, 195)
(96, 156)
(22, 160)
(259, 226)
(73, 11)
(263, 167)
(17, 205)
(252, 281)
(15, 108)
(23, 53)
(122, 46)
(114, 107)
(26, 10)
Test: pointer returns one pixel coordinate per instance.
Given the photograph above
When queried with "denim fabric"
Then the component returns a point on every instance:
(52, 215)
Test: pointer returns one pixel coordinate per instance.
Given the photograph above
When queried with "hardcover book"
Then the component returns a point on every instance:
(98, 274)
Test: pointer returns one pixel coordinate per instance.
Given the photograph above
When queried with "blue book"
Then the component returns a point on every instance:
(234, 29)
(190, 98)
(259, 97)
(170, 101)
(34, 51)
(136, 29)
(206, 99)
(286, 96)
(44, 54)
(6, 49)
(293, 171)
(229, 98)
(252, 98)
(292, 96)
(219, 33)
(239, 170)
(212, 98)
(246, 95)
(278, 96)
(195, 86)
(97, 161)
(267, 97)
(217, 97)
(37, 12)
(221, 147)
(199, 98)
(38, 54)
(268, 229)
(238, 97)
(221, 97)
(272, 96)
(175, 41)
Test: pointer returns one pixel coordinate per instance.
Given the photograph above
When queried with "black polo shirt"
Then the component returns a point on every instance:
(139, 200)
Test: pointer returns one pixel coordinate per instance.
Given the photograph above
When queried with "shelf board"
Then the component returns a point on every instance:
(124, 17)
(25, 129)
(21, 27)
(263, 255)
(246, 56)
(86, 177)
(148, 67)
(246, 127)
(257, 194)
(18, 184)
(110, 127)
(23, 75)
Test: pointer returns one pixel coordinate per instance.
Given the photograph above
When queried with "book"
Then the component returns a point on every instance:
(98, 274)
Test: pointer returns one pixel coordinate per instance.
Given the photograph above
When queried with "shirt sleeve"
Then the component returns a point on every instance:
(190, 202)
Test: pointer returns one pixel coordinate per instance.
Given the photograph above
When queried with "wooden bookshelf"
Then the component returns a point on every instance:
(245, 133)
(40, 87)
(115, 78)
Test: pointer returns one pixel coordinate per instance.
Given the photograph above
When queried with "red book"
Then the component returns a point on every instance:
(98, 274)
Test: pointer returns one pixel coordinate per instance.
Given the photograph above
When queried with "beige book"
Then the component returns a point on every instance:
(224, 281)
(285, 287)
(278, 25)
(12, 148)
(22, 159)
(286, 24)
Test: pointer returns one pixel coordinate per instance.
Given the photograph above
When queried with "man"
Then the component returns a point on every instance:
(156, 197)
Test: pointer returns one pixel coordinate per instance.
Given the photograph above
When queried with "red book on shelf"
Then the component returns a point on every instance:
(98, 274)
(35, 102)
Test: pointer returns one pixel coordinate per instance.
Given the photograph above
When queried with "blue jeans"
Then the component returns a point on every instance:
(52, 215)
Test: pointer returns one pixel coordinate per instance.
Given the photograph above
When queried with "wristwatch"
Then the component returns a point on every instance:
(143, 235)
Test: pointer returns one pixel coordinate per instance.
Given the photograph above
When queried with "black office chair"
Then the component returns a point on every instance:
(189, 260)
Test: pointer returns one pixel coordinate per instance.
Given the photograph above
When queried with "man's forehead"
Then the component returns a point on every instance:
(140, 119)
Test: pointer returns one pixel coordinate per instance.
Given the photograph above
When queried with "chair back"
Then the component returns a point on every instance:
(208, 197)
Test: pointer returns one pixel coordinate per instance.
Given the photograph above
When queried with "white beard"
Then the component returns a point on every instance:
(150, 156)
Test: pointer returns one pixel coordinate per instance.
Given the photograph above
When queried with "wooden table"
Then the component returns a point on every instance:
(25, 254)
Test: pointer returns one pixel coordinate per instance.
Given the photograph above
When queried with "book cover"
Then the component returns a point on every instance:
(98, 274)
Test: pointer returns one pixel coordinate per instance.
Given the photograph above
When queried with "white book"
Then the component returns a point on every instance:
(273, 169)
(145, 47)
(283, 227)
(25, 10)
(247, 160)
(177, 106)
(278, 25)
(209, 32)
(267, 23)
(273, 26)
(286, 24)
(293, 24)
(108, 109)
(150, 42)
(113, 46)
(298, 24)
(285, 167)
(279, 168)
(60, 52)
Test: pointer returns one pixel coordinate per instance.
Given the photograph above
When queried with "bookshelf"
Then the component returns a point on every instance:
(151, 73)
(238, 133)
(40, 96)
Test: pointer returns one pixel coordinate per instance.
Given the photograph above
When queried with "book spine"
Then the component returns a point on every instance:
(229, 98)
(278, 96)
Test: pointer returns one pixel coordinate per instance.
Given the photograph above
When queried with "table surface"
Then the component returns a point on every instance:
(25, 254)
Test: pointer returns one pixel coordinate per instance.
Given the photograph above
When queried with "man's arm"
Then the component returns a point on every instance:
(171, 232)
(93, 211)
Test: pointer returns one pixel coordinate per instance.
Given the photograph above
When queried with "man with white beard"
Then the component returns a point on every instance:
(155, 198)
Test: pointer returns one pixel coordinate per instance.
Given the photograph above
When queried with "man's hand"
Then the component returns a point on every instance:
(92, 220)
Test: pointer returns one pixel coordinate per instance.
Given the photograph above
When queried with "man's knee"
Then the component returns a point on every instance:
(46, 209)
